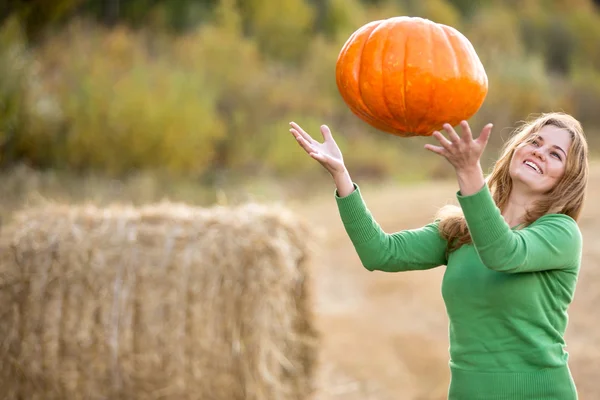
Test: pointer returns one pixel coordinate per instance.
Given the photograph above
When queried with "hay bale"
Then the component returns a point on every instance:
(160, 302)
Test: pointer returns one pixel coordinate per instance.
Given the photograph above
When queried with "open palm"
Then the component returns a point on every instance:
(327, 153)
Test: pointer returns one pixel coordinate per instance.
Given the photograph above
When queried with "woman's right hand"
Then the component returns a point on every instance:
(327, 153)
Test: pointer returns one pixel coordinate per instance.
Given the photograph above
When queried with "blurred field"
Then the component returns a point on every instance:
(140, 100)
(385, 335)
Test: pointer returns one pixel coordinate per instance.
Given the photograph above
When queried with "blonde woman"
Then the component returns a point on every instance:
(512, 251)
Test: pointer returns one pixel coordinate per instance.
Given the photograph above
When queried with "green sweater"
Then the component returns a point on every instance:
(506, 295)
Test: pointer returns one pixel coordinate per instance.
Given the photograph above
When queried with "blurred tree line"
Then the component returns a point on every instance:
(206, 88)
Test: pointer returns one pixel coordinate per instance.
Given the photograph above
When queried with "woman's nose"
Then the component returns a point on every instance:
(539, 154)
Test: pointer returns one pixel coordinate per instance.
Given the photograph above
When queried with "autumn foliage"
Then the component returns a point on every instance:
(207, 91)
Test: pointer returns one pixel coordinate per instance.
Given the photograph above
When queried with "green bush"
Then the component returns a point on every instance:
(123, 108)
(214, 99)
(14, 75)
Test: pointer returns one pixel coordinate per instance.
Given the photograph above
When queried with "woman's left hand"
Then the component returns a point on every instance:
(463, 152)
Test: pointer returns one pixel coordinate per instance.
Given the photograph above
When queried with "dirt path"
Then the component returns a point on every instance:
(384, 336)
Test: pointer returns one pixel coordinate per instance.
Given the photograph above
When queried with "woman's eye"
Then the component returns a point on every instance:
(555, 154)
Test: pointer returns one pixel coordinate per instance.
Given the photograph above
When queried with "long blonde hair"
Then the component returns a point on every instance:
(566, 197)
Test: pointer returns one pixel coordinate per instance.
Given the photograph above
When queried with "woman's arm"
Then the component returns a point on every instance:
(407, 250)
(553, 242)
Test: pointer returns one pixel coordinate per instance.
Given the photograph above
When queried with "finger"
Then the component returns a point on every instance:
(302, 132)
(326, 132)
(454, 138)
(446, 144)
(303, 142)
(467, 135)
(437, 149)
(485, 134)
(297, 135)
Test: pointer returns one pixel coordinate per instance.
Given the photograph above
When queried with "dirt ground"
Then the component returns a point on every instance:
(385, 336)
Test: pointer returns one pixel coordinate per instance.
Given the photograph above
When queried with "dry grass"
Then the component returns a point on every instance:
(160, 302)
(384, 336)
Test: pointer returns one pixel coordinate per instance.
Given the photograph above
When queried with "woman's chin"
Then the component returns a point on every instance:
(528, 183)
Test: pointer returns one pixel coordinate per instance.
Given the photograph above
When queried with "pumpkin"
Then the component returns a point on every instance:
(408, 76)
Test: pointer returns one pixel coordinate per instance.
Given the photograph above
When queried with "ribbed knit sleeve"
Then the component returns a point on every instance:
(415, 249)
(552, 242)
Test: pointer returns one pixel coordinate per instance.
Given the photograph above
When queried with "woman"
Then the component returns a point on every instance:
(512, 252)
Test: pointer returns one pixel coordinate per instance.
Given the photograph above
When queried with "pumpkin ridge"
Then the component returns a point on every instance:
(462, 51)
(360, 77)
(456, 68)
(475, 72)
(357, 106)
(406, 39)
(432, 85)
(364, 108)
(344, 56)
(455, 64)
(383, 97)
(393, 89)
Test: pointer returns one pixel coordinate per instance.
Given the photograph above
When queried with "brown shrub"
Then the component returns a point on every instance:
(160, 302)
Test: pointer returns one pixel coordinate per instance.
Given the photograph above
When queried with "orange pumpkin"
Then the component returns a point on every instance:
(408, 76)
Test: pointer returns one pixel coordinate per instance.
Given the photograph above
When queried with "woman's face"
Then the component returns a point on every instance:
(540, 162)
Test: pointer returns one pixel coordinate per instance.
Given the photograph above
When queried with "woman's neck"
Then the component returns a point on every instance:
(515, 211)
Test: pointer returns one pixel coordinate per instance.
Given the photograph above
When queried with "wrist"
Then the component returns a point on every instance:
(470, 170)
(341, 174)
(470, 180)
(343, 183)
